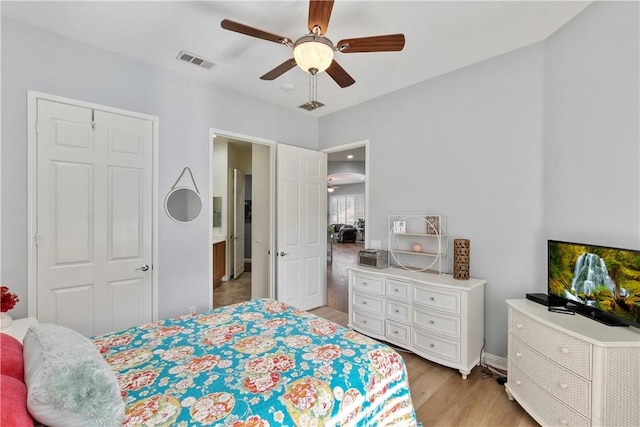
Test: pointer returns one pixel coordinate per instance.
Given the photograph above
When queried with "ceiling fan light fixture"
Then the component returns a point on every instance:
(313, 53)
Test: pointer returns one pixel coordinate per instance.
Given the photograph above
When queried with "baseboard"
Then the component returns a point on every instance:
(495, 361)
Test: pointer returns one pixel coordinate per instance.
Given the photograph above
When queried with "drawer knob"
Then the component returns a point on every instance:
(364, 302)
(396, 310)
(518, 382)
(432, 298)
(431, 345)
(395, 332)
(565, 350)
(396, 290)
(519, 354)
(432, 322)
(364, 321)
(364, 283)
(563, 386)
(518, 325)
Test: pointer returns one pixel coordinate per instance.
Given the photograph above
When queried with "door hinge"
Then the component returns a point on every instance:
(36, 239)
(93, 122)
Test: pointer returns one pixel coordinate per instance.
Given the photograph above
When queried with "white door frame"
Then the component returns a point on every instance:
(32, 162)
(213, 132)
(362, 143)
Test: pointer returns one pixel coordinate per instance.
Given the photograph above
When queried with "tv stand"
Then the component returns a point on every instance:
(594, 314)
(568, 370)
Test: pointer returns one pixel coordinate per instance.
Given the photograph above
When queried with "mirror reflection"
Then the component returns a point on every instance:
(217, 211)
(183, 204)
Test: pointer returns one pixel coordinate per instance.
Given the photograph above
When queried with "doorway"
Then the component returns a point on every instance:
(347, 212)
(241, 172)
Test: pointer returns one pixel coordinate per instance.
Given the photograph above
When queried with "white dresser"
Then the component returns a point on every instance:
(569, 370)
(433, 315)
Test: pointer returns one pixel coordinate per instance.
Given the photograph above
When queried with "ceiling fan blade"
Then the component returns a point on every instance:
(319, 14)
(280, 70)
(389, 43)
(340, 76)
(253, 32)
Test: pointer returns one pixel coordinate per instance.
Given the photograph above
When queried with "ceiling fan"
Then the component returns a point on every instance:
(330, 186)
(314, 52)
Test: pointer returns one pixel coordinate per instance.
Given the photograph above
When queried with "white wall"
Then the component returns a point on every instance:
(592, 141)
(261, 219)
(38, 60)
(508, 149)
(467, 145)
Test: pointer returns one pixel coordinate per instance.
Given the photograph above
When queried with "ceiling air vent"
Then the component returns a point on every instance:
(195, 59)
(311, 105)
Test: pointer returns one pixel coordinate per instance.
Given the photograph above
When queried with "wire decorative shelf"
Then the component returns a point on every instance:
(418, 242)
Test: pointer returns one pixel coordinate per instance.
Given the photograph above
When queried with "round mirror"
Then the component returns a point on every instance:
(183, 204)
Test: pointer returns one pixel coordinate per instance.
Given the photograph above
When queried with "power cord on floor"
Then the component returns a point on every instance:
(489, 371)
(486, 372)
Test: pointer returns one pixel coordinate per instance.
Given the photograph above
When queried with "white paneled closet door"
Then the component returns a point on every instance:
(94, 218)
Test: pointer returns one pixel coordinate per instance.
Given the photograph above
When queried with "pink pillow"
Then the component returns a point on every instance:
(11, 359)
(13, 402)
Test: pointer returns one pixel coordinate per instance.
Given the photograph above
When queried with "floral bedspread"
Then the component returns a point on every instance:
(260, 363)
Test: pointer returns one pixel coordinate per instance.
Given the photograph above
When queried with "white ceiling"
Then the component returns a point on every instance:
(441, 36)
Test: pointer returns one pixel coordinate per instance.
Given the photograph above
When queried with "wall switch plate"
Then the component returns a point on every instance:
(375, 244)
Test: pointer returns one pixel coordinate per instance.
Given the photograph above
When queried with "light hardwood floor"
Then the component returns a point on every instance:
(442, 398)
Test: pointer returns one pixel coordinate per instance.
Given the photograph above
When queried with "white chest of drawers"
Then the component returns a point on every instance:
(572, 371)
(433, 315)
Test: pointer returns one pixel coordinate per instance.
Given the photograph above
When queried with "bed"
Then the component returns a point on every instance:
(258, 363)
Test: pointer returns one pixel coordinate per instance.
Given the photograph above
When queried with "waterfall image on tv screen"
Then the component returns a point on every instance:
(606, 279)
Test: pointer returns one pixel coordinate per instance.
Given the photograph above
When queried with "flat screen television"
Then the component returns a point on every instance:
(600, 282)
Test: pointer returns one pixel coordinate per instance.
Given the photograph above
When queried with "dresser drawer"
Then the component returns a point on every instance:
(368, 303)
(397, 332)
(398, 311)
(437, 346)
(541, 404)
(399, 290)
(371, 284)
(368, 323)
(572, 389)
(437, 299)
(437, 323)
(563, 349)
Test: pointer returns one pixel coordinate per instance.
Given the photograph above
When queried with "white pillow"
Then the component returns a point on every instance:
(68, 382)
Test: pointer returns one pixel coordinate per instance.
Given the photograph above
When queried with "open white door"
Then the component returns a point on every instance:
(301, 227)
(238, 223)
